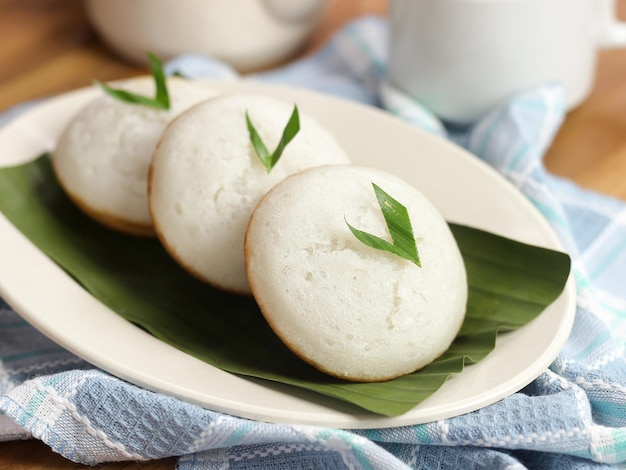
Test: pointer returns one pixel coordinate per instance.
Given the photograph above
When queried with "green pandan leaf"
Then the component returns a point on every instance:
(268, 159)
(399, 225)
(510, 283)
(161, 98)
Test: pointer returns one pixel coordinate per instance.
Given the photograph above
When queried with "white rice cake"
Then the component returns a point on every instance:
(102, 157)
(206, 179)
(350, 310)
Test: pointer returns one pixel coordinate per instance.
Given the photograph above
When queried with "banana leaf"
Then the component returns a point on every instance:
(510, 283)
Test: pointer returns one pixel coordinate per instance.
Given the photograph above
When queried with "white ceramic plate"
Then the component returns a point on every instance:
(461, 186)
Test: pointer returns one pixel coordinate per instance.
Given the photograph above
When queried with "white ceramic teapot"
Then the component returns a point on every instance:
(248, 34)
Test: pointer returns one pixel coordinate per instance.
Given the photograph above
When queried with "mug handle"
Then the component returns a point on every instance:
(611, 31)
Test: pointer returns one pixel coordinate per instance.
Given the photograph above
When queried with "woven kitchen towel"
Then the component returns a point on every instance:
(573, 416)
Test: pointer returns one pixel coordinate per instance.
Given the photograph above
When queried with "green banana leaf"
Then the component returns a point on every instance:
(510, 283)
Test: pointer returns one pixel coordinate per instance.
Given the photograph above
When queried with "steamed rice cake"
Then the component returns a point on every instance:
(102, 157)
(206, 179)
(353, 312)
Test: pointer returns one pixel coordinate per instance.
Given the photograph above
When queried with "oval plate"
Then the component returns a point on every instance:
(464, 189)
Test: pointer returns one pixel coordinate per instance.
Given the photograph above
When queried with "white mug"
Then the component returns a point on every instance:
(461, 58)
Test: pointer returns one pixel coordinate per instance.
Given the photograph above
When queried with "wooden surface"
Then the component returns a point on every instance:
(47, 47)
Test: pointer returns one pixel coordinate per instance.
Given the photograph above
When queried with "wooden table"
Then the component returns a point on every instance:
(47, 47)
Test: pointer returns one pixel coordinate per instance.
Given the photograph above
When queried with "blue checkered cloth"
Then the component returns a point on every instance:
(573, 416)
